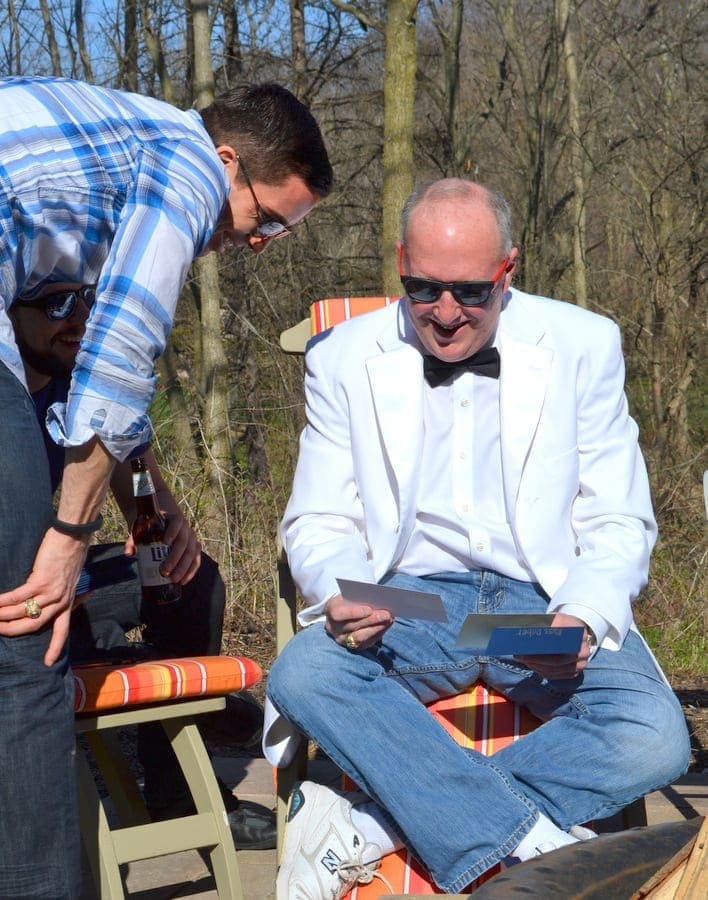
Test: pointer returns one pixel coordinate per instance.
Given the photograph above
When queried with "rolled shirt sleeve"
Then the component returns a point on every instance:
(160, 230)
(109, 188)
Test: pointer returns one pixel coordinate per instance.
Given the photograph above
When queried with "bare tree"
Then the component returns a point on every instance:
(51, 37)
(128, 77)
(13, 47)
(577, 159)
(84, 54)
(399, 97)
(233, 55)
(214, 363)
(154, 46)
(298, 51)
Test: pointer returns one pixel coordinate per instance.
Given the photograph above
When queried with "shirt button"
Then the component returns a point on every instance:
(465, 507)
(463, 455)
(465, 403)
(480, 545)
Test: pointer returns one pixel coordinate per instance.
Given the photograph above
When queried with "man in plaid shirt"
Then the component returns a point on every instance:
(104, 187)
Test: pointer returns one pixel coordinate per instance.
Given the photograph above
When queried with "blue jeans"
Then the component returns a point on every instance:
(39, 825)
(609, 735)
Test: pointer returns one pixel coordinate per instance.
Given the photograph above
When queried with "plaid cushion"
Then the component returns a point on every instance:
(101, 687)
(480, 719)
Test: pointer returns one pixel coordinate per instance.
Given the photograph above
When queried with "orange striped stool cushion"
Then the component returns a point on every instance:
(480, 719)
(101, 687)
(333, 310)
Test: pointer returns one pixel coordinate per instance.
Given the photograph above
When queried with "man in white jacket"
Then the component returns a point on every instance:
(472, 441)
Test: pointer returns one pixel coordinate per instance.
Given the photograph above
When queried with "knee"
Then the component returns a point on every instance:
(660, 747)
(208, 583)
(300, 669)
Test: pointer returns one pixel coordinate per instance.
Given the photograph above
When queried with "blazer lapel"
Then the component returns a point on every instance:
(525, 369)
(396, 383)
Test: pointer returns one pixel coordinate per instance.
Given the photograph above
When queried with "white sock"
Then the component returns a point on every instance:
(544, 832)
(368, 819)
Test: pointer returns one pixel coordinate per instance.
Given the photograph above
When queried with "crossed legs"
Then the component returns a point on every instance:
(609, 736)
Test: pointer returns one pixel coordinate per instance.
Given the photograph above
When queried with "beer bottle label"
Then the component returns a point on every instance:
(150, 558)
(142, 484)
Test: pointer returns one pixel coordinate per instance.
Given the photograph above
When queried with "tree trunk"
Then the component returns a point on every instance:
(13, 55)
(399, 98)
(298, 46)
(51, 38)
(180, 418)
(128, 78)
(232, 42)
(81, 40)
(577, 161)
(214, 362)
(157, 54)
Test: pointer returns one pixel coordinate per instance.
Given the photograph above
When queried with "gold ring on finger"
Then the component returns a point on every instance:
(32, 609)
(351, 642)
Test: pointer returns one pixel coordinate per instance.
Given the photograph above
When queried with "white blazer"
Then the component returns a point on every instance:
(575, 486)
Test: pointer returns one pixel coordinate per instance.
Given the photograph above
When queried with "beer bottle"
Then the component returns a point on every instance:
(149, 536)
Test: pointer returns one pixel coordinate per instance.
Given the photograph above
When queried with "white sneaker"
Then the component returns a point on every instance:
(576, 833)
(582, 833)
(324, 855)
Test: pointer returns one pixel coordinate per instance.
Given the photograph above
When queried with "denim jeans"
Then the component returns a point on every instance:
(609, 735)
(191, 627)
(39, 827)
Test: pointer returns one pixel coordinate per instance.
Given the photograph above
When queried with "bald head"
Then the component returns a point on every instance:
(456, 232)
(437, 199)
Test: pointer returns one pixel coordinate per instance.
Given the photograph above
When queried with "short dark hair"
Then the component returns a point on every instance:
(274, 132)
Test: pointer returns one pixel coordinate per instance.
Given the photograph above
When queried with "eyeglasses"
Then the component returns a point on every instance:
(467, 293)
(266, 227)
(61, 304)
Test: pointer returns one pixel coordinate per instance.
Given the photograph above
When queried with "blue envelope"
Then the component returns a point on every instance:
(518, 635)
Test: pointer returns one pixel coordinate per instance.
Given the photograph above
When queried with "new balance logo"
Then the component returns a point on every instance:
(296, 803)
(331, 862)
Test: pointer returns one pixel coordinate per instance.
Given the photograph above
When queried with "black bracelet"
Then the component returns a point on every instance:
(74, 529)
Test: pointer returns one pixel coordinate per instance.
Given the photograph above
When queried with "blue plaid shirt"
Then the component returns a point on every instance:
(106, 187)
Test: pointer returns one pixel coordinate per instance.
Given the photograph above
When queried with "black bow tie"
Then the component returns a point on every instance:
(484, 362)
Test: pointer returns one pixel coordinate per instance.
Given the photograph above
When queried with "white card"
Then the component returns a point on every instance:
(398, 601)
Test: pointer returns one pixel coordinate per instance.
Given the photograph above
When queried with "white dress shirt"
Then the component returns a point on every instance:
(461, 462)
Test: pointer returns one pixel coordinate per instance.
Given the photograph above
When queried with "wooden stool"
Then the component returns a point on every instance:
(172, 692)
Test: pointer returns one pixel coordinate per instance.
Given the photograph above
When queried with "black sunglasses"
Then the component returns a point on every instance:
(61, 304)
(467, 293)
(266, 227)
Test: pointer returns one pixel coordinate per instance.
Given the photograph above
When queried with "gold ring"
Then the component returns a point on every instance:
(32, 609)
(351, 642)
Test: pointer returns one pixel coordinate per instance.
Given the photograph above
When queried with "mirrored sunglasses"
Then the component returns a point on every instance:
(61, 304)
(467, 293)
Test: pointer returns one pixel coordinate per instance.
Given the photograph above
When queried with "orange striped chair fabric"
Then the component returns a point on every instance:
(480, 719)
(333, 310)
(102, 687)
